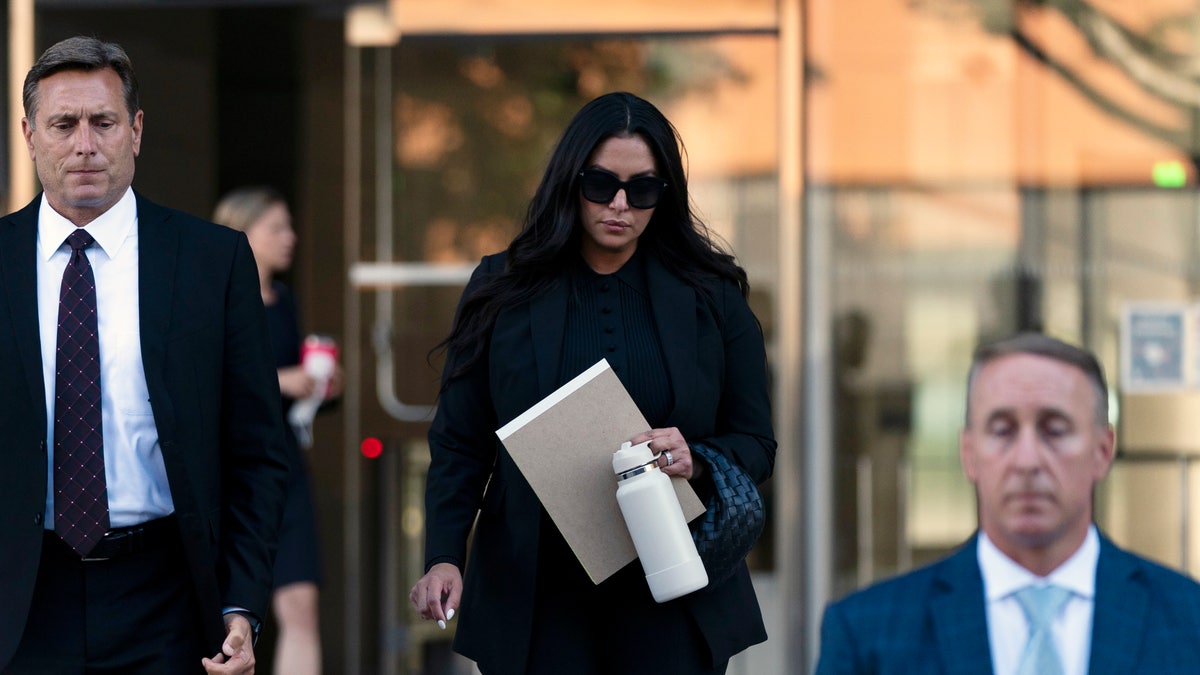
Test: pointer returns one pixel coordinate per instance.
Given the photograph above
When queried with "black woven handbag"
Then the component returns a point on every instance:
(733, 520)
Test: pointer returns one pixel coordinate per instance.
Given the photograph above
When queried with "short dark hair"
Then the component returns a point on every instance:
(1040, 344)
(81, 53)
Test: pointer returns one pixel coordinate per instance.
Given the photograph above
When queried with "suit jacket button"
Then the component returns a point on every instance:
(37, 519)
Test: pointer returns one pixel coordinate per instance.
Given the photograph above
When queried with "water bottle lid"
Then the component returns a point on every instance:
(631, 456)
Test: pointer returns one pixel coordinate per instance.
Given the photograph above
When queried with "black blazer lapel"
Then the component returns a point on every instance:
(18, 271)
(158, 244)
(1119, 614)
(959, 613)
(674, 305)
(546, 317)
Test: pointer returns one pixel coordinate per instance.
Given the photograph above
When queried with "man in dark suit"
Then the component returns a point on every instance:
(143, 461)
(1037, 589)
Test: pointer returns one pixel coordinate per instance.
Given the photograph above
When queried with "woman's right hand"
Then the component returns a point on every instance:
(437, 594)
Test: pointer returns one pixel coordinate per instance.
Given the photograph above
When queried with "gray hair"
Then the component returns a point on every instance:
(1039, 344)
(81, 53)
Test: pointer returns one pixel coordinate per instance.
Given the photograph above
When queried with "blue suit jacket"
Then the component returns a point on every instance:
(932, 620)
(213, 392)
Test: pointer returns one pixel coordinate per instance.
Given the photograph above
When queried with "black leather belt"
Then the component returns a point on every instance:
(123, 541)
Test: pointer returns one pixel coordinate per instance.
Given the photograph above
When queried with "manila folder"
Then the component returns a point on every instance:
(564, 446)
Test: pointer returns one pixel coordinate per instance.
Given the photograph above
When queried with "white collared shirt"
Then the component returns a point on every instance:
(133, 466)
(1008, 629)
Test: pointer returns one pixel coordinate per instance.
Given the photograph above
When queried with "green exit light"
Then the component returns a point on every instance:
(1169, 174)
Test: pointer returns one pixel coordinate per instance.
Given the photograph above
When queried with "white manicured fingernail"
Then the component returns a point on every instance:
(449, 615)
(441, 624)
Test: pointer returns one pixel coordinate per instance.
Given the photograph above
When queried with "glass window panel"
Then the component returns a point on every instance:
(475, 121)
(993, 166)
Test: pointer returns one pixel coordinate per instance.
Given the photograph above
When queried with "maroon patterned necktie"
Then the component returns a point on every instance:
(80, 492)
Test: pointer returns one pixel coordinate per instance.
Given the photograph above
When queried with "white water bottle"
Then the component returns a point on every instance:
(656, 524)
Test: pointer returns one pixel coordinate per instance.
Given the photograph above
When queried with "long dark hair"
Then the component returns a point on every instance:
(551, 235)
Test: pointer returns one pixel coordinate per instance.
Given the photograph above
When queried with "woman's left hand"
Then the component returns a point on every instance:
(676, 457)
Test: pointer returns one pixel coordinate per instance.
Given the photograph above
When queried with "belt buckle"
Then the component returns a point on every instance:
(109, 537)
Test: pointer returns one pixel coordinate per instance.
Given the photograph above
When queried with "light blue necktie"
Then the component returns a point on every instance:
(1041, 605)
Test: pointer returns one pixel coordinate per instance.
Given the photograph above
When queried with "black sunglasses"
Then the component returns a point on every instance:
(601, 186)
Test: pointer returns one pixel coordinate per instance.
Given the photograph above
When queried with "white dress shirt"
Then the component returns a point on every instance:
(133, 466)
(1008, 629)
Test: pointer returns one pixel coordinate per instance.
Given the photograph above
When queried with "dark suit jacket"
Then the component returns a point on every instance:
(717, 365)
(933, 620)
(213, 391)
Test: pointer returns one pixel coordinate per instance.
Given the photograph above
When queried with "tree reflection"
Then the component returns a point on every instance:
(475, 121)
(1158, 56)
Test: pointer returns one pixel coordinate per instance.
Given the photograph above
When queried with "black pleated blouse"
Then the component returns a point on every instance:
(609, 316)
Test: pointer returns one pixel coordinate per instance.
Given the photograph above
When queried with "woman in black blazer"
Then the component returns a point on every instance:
(611, 263)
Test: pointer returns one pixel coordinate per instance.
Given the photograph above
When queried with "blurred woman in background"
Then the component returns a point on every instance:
(263, 215)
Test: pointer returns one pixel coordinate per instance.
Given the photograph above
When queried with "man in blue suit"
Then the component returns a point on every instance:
(1035, 444)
